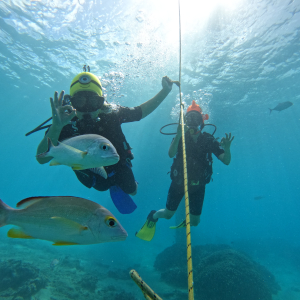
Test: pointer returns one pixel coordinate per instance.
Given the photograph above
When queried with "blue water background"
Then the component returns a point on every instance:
(236, 63)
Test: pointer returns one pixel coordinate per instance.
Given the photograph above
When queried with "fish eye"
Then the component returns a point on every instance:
(104, 147)
(111, 222)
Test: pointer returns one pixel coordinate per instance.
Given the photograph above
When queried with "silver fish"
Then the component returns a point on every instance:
(282, 106)
(82, 152)
(63, 220)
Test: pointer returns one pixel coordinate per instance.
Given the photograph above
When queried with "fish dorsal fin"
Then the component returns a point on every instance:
(64, 244)
(29, 201)
(70, 148)
(18, 233)
(70, 225)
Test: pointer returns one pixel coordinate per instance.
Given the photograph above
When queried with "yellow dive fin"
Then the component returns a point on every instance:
(18, 233)
(147, 232)
(181, 225)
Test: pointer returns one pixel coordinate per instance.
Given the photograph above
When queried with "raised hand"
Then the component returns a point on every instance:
(167, 83)
(61, 115)
(226, 142)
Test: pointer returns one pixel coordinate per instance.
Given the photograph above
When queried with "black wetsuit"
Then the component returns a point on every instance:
(109, 126)
(199, 168)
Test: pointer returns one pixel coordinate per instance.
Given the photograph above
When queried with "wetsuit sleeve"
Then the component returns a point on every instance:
(129, 114)
(215, 146)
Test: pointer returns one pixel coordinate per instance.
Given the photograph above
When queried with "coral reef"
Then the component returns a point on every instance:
(20, 280)
(220, 272)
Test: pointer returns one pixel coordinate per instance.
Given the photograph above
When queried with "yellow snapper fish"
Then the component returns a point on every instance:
(64, 220)
(83, 152)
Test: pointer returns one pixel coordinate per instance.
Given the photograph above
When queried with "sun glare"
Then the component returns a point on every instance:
(193, 9)
(194, 15)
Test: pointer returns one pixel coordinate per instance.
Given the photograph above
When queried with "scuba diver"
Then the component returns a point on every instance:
(199, 149)
(85, 111)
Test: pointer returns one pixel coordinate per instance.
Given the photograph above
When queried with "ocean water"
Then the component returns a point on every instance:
(239, 58)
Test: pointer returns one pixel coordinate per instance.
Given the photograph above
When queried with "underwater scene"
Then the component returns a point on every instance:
(93, 202)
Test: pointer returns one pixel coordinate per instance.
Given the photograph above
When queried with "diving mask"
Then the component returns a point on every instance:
(193, 119)
(86, 102)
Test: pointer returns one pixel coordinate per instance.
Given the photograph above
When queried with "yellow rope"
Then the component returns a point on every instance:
(186, 194)
(147, 291)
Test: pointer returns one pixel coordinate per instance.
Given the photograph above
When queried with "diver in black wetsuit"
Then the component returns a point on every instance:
(199, 149)
(88, 113)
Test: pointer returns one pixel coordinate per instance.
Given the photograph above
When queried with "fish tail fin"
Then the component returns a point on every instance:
(4, 208)
(46, 153)
(270, 110)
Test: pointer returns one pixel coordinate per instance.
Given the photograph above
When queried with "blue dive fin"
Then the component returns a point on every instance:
(121, 200)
